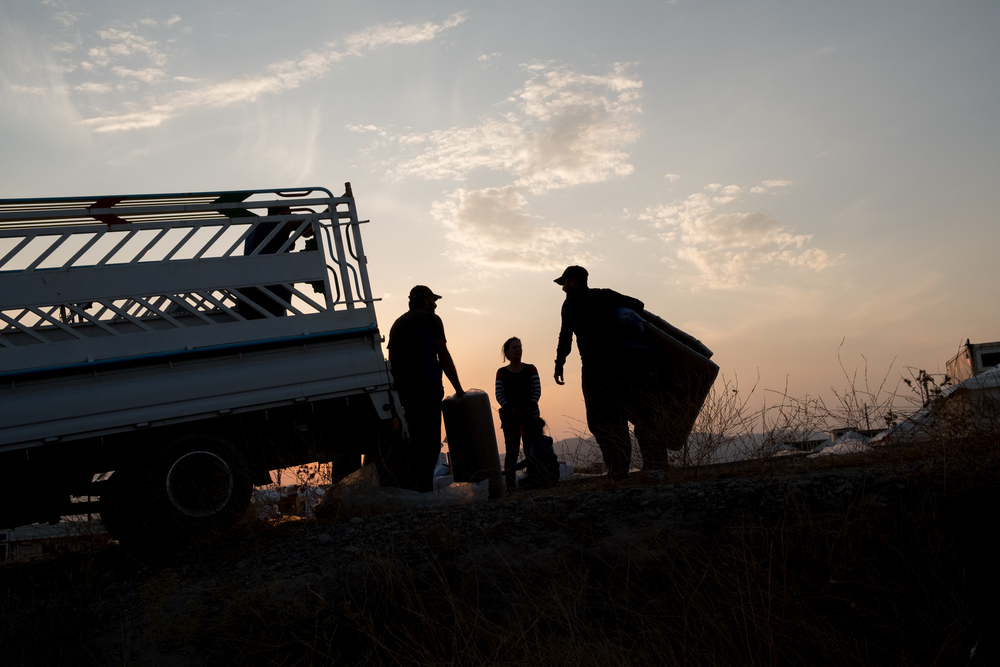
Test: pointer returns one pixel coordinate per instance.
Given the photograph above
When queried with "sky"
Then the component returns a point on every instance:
(808, 188)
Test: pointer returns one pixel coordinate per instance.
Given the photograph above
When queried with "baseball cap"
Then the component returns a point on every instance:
(420, 291)
(574, 272)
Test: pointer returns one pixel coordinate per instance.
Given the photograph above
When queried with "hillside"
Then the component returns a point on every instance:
(882, 559)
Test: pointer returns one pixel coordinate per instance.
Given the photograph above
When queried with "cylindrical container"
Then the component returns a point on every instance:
(472, 442)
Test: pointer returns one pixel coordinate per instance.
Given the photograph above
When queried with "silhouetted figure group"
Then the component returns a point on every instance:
(623, 382)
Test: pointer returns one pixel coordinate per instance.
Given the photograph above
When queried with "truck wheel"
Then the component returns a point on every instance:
(199, 485)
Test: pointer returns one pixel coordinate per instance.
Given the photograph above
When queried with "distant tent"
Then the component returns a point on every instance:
(971, 407)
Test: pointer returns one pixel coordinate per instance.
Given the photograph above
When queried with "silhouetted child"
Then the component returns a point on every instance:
(540, 458)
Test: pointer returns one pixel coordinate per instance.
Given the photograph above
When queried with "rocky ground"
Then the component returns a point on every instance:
(601, 557)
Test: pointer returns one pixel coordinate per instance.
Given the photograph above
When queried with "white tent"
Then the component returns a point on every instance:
(970, 407)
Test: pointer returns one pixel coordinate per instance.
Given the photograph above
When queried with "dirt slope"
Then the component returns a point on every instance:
(882, 559)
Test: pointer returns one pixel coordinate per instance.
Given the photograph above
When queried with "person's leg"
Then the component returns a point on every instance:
(429, 443)
(650, 409)
(423, 418)
(511, 428)
(607, 423)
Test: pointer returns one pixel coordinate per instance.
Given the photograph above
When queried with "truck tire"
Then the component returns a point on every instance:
(199, 485)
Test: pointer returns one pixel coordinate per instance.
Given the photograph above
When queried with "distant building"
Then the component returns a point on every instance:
(972, 359)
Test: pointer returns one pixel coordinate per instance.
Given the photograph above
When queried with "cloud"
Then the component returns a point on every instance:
(726, 247)
(122, 44)
(31, 84)
(565, 129)
(366, 128)
(492, 227)
(671, 177)
(278, 77)
(148, 75)
(284, 145)
(768, 185)
(398, 33)
(90, 87)
(66, 18)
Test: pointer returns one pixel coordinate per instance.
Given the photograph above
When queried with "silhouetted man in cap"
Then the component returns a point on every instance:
(418, 352)
(609, 366)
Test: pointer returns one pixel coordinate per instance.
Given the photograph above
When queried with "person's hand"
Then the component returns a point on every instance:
(559, 374)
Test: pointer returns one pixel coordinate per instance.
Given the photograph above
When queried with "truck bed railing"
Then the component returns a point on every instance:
(83, 279)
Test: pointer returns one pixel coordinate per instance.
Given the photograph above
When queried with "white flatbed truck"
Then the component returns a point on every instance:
(152, 357)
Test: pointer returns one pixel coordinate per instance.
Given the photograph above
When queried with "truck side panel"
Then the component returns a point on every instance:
(105, 401)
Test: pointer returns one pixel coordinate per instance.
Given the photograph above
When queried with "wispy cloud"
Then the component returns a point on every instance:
(123, 44)
(283, 145)
(366, 128)
(726, 247)
(565, 129)
(32, 84)
(398, 33)
(147, 75)
(280, 76)
(765, 186)
(560, 129)
(91, 87)
(492, 227)
(66, 18)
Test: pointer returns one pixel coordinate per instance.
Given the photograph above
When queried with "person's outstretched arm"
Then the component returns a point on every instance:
(448, 366)
(564, 346)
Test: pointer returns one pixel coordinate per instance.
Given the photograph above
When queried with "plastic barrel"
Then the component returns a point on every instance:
(471, 439)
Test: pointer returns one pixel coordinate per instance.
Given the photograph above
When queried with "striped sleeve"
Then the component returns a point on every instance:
(501, 397)
(536, 385)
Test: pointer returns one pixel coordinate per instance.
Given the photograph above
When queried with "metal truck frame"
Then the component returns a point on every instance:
(151, 357)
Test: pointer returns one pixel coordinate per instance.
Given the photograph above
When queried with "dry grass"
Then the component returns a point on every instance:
(882, 580)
